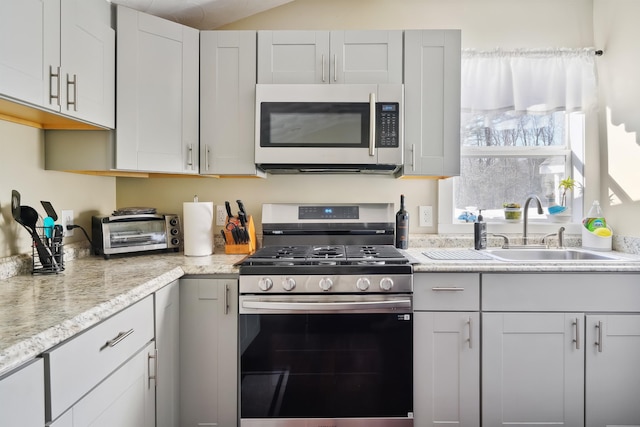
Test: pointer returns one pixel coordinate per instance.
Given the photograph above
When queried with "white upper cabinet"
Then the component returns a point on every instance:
(87, 57)
(59, 55)
(157, 94)
(227, 102)
(330, 57)
(432, 102)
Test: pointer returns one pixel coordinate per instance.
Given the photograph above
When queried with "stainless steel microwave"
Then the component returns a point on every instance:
(329, 128)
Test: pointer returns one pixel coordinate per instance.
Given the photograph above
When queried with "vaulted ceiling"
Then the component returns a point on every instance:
(202, 14)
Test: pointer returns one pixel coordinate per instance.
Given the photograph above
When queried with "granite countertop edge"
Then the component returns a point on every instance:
(38, 313)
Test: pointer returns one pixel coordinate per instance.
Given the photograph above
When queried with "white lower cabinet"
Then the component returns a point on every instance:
(446, 350)
(104, 376)
(612, 348)
(532, 369)
(22, 396)
(208, 352)
(125, 399)
(167, 304)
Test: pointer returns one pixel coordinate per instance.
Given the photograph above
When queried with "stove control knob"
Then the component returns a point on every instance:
(363, 284)
(288, 283)
(326, 283)
(386, 283)
(265, 283)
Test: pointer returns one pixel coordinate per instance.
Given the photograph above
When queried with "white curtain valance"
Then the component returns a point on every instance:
(533, 81)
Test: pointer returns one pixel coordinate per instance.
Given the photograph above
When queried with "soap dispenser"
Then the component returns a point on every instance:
(480, 232)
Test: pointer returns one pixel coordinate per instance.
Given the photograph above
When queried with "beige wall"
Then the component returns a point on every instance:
(617, 32)
(22, 169)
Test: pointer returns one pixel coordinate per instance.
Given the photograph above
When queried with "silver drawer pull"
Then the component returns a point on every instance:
(115, 341)
(447, 289)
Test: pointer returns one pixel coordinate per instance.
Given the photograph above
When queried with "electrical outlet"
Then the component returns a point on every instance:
(221, 215)
(426, 216)
(67, 219)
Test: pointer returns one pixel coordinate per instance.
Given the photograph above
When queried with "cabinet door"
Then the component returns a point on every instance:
(124, 399)
(532, 369)
(167, 303)
(365, 57)
(157, 94)
(87, 53)
(22, 396)
(293, 57)
(227, 102)
(208, 352)
(612, 374)
(432, 102)
(30, 51)
(447, 369)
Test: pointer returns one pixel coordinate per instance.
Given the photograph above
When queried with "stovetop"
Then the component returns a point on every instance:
(323, 255)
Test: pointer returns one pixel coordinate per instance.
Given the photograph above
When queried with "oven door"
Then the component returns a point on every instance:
(343, 361)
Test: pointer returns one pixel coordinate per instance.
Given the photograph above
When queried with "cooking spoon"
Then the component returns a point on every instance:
(29, 219)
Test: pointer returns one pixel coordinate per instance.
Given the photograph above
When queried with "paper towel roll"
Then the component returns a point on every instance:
(198, 228)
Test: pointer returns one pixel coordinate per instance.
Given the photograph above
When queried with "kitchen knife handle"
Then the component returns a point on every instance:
(241, 207)
(227, 206)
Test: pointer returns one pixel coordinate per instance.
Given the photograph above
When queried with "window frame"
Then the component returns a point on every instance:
(577, 136)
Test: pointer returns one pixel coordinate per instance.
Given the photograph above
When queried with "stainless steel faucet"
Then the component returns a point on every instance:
(525, 238)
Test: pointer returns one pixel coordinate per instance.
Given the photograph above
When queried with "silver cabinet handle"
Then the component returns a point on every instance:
(335, 67)
(73, 83)
(154, 377)
(447, 289)
(372, 124)
(190, 156)
(413, 157)
(206, 158)
(598, 343)
(226, 299)
(576, 325)
(56, 76)
(117, 339)
(470, 331)
(323, 75)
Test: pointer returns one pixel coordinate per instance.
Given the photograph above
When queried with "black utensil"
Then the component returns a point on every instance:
(224, 236)
(48, 208)
(15, 205)
(241, 207)
(29, 219)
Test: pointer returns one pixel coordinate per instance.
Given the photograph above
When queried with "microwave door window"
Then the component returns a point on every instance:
(315, 125)
(136, 233)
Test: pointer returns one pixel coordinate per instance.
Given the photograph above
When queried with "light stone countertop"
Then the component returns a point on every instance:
(39, 312)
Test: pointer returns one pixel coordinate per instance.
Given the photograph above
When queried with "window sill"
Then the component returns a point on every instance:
(534, 227)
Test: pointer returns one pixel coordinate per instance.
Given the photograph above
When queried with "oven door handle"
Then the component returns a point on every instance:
(294, 306)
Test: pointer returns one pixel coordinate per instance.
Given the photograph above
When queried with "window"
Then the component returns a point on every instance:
(522, 132)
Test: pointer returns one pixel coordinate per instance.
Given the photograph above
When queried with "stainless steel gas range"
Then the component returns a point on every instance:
(326, 328)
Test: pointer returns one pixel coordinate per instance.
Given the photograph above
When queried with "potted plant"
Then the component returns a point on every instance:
(565, 185)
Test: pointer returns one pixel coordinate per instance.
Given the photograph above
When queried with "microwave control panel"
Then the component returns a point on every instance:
(387, 124)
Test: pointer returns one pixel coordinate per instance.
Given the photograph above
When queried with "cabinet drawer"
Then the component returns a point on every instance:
(446, 291)
(561, 292)
(75, 367)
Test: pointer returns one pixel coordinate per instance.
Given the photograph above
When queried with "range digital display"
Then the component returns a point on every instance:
(328, 212)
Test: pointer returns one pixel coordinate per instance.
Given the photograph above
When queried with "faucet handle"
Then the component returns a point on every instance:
(505, 244)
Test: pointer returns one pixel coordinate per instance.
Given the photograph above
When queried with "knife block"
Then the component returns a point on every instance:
(240, 248)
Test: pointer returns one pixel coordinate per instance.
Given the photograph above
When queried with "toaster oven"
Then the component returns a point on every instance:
(121, 234)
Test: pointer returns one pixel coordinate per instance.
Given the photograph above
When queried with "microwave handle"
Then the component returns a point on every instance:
(372, 124)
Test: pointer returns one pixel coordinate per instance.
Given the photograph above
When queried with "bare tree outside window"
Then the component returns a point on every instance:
(508, 157)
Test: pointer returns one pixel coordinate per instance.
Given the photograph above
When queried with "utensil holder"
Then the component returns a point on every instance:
(230, 247)
(52, 245)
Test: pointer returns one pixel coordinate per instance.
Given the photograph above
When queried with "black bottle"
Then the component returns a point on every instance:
(402, 226)
(480, 233)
